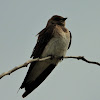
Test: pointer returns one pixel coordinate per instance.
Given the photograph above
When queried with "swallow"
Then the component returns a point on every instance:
(53, 40)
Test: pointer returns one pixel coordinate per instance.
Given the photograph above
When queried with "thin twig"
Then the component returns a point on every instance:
(23, 65)
(42, 59)
(83, 59)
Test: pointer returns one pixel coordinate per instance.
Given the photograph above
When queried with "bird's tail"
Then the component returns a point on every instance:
(29, 87)
(25, 94)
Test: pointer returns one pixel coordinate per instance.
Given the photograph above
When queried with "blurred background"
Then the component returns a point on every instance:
(21, 20)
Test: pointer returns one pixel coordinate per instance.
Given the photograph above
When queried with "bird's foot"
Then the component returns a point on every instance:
(61, 58)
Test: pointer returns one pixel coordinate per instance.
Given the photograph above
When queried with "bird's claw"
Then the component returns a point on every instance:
(61, 58)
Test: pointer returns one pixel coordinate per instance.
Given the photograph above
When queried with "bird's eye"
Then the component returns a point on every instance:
(57, 19)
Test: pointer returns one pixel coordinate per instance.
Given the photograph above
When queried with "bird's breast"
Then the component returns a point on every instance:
(57, 46)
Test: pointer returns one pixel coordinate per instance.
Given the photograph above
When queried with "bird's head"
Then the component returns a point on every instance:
(59, 20)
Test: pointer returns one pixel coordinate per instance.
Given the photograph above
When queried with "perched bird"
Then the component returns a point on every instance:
(53, 40)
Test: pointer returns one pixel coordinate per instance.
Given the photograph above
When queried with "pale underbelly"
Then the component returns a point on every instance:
(56, 47)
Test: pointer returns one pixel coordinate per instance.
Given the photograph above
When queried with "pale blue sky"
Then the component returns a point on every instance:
(21, 20)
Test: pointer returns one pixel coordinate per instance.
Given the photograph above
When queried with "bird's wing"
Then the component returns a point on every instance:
(44, 37)
(70, 40)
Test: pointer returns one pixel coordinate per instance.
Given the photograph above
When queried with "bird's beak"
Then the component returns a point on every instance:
(64, 19)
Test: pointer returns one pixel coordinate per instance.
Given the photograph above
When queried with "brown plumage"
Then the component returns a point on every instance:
(38, 71)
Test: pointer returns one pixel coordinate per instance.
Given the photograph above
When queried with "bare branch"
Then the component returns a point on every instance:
(23, 65)
(83, 59)
(42, 59)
